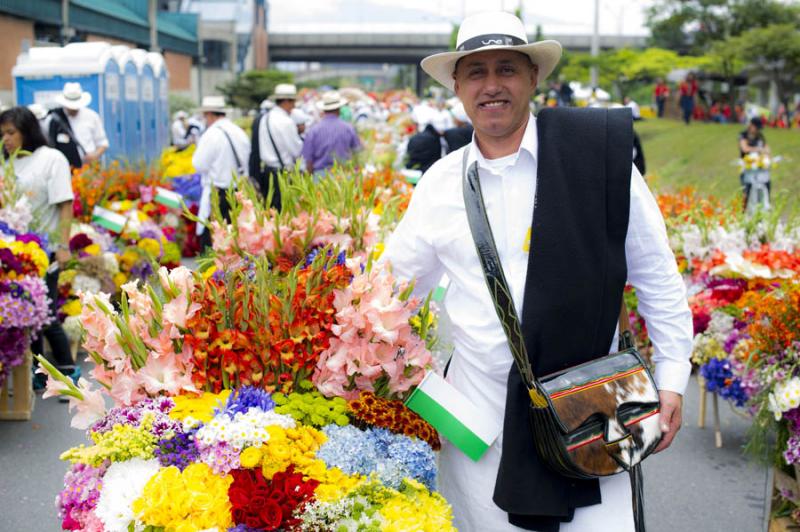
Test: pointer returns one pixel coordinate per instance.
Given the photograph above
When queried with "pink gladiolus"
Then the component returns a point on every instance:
(89, 410)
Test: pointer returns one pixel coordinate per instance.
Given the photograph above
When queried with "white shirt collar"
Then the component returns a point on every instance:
(530, 144)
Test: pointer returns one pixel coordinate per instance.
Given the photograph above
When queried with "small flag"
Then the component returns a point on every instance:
(412, 176)
(168, 197)
(109, 219)
(454, 415)
(440, 291)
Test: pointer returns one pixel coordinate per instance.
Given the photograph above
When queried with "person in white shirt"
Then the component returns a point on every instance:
(495, 84)
(222, 152)
(279, 142)
(633, 106)
(43, 176)
(86, 127)
(179, 129)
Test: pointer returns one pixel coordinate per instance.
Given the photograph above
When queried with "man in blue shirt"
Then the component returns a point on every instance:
(331, 139)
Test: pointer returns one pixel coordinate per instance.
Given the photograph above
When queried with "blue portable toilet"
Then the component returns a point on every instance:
(41, 72)
(162, 99)
(147, 99)
(131, 110)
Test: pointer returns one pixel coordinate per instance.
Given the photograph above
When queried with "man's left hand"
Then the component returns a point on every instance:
(671, 405)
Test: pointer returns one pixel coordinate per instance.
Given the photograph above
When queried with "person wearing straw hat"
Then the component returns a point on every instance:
(180, 130)
(279, 143)
(222, 152)
(331, 139)
(74, 128)
(545, 199)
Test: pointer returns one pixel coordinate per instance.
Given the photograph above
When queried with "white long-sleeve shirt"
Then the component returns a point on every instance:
(214, 159)
(284, 133)
(434, 238)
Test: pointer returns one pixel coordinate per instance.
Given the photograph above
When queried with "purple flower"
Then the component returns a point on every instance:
(81, 490)
(24, 303)
(248, 397)
(179, 450)
(221, 457)
(14, 342)
(163, 426)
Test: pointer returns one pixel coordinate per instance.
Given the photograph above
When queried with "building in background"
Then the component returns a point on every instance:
(28, 23)
(232, 35)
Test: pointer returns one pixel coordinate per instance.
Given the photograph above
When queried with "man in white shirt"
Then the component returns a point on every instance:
(279, 142)
(633, 106)
(222, 152)
(495, 72)
(87, 129)
(179, 130)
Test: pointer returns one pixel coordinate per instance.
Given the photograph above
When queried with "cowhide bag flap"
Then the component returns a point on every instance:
(604, 412)
(595, 419)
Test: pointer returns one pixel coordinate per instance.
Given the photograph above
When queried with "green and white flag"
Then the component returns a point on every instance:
(412, 176)
(168, 198)
(109, 219)
(454, 415)
(441, 289)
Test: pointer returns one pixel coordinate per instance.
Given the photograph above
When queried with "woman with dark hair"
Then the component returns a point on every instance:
(43, 175)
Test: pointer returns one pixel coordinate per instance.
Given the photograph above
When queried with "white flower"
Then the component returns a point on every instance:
(244, 429)
(784, 397)
(84, 283)
(123, 483)
(72, 326)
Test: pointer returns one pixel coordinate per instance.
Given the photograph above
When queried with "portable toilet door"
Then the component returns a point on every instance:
(40, 76)
(147, 93)
(131, 110)
(162, 100)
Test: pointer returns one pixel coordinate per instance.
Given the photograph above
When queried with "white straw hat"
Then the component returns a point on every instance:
(73, 96)
(331, 101)
(38, 110)
(284, 91)
(492, 31)
(213, 104)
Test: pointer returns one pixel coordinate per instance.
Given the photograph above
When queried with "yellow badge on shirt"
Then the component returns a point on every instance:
(526, 246)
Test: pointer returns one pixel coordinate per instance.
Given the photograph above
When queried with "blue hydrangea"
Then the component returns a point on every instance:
(248, 397)
(390, 457)
(720, 379)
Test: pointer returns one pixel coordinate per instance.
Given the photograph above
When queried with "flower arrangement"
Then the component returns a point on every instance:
(24, 303)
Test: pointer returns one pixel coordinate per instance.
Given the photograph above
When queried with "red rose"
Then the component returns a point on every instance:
(239, 496)
(271, 515)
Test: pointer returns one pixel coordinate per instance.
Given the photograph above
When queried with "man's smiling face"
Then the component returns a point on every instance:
(495, 87)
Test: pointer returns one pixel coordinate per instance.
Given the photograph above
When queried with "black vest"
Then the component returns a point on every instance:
(573, 290)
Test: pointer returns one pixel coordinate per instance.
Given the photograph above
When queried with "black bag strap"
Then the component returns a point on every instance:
(272, 141)
(495, 278)
(235, 153)
(498, 286)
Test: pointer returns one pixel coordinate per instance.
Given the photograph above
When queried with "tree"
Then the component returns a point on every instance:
(725, 59)
(692, 26)
(250, 88)
(773, 51)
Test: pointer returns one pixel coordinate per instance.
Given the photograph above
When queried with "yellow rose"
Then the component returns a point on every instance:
(250, 457)
(72, 307)
(92, 249)
(120, 279)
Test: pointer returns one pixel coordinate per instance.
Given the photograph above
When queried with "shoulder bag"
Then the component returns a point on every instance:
(592, 420)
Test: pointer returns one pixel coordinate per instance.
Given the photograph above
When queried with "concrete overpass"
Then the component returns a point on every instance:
(397, 47)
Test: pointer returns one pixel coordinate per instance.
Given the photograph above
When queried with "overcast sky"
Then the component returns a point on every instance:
(557, 17)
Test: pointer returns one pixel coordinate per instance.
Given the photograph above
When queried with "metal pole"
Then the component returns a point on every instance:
(595, 41)
(199, 68)
(66, 33)
(152, 15)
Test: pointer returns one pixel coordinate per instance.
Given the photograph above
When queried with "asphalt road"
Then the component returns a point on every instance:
(692, 487)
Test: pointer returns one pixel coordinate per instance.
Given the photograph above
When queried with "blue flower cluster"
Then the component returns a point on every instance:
(391, 457)
(188, 186)
(340, 258)
(179, 450)
(247, 397)
(720, 379)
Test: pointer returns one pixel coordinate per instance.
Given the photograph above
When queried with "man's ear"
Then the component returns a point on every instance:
(534, 75)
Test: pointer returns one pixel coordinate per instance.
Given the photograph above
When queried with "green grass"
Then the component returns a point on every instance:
(704, 156)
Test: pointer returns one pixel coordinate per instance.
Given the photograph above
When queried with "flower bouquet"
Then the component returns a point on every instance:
(260, 398)
(24, 304)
